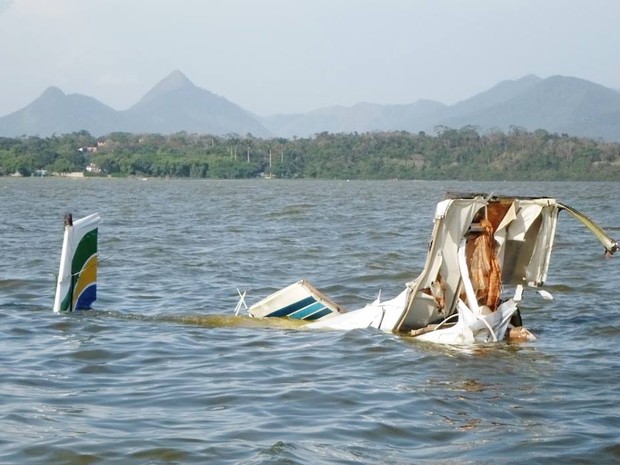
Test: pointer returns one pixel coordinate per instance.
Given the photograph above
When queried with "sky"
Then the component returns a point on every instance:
(294, 56)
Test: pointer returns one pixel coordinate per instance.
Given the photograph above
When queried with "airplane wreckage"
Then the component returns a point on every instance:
(483, 250)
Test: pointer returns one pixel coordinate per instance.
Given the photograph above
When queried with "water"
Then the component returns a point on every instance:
(162, 373)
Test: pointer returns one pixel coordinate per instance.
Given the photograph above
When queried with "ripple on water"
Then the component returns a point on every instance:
(163, 373)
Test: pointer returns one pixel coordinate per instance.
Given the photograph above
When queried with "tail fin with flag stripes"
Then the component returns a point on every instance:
(76, 288)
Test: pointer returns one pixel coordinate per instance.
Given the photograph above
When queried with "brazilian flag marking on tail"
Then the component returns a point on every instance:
(76, 288)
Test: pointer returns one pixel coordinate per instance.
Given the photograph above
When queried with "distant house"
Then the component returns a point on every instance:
(92, 168)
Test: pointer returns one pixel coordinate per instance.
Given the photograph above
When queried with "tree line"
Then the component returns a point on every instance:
(460, 154)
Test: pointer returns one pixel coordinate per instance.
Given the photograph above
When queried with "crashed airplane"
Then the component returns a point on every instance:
(483, 251)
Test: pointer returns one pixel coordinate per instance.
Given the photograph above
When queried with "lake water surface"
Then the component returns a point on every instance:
(160, 372)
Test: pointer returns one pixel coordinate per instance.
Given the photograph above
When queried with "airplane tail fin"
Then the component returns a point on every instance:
(76, 287)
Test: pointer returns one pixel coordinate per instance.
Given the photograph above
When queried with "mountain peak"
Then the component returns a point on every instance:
(529, 77)
(174, 81)
(52, 92)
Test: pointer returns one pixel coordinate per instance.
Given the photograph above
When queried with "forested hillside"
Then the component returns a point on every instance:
(450, 154)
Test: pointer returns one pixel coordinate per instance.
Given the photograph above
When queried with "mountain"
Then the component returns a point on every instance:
(557, 104)
(56, 112)
(174, 104)
(361, 117)
(502, 92)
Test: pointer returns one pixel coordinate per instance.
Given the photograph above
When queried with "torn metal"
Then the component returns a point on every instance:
(484, 250)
